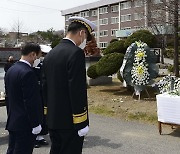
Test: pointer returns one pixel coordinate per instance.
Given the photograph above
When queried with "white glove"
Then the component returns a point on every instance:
(84, 131)
(37, 130)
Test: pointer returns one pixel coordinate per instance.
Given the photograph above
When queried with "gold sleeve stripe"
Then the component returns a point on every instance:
(45, 110)
(78, 115)
(77, 120)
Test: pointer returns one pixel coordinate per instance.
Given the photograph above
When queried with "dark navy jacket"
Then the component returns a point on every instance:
(64, 87)
(24, 101)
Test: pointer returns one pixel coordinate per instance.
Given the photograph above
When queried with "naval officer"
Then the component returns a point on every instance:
(65, 89)
(37, 66)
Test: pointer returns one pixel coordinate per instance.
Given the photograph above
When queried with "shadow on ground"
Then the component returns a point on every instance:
(2, 125)
(92, 141)
(4, 140)
(176, 132)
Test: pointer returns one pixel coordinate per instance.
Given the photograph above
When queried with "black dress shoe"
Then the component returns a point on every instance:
(37, 145)
(43, 142)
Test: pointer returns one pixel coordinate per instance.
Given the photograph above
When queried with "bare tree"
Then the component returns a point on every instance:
(17, 27)
(163, 20)
(176, 53)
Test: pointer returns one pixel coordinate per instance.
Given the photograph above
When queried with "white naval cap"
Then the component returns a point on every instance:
(45, 48)
(89, 24)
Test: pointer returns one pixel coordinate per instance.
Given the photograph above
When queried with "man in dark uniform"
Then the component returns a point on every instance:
(37, 66)
(65, 89)
(24, 102)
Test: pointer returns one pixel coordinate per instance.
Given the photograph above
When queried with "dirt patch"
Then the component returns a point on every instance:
(116, 100)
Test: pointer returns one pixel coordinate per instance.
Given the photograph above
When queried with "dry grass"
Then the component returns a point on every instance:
(116, 100)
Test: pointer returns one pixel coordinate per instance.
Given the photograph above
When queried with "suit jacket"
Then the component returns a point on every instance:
(24, 102)
(64, 87)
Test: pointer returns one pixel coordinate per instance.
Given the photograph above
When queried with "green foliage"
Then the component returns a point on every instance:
(113, 40)
(49, 35)
(170, 68)
(169, 53)
(144, 36)
(109, 64)
(119, 76)
(91, 72)
(117, 46)
(142, 116)
(170, 42)
(55, 40)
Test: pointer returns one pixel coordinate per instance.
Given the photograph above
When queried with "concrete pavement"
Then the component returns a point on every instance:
(115, 136)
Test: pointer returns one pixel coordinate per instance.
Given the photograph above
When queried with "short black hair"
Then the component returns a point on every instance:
(30, 47)
(74, 27)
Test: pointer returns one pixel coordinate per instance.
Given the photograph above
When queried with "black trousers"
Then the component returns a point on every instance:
(44, 126)
(21, 142)
(65, 142)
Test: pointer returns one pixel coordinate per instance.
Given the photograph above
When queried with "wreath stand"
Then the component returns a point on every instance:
(139, 96)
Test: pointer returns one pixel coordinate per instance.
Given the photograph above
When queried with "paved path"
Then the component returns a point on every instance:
(1, 79)
(115, 136)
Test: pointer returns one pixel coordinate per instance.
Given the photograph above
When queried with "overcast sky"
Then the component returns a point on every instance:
(34, 15)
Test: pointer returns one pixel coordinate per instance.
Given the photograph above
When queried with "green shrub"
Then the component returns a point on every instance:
(117, 46)
(143, 35)
(91, 72)
(169, 53)
(170, 68)
(113, 40)
(170, 42)
(119, 76)
(109, 64)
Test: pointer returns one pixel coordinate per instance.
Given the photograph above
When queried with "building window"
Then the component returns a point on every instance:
(138, 27)
(103, 21)
(126, 17)
(103, 10)
(85, 14)
(125, 5)
(113, 32)
(103, 33)
(115, 8)
(67, 17)
(114, 20)
(77, 14)
(157, 1)
(125, 28)
(94, 13)
(138, 16)
(138, 3)
(103, 44)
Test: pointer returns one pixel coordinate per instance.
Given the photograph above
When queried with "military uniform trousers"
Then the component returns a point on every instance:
(21, 142)
(65, 141)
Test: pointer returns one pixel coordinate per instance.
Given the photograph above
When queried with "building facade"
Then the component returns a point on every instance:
(111, 16)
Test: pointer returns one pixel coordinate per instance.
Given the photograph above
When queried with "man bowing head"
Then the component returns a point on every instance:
(65, 89)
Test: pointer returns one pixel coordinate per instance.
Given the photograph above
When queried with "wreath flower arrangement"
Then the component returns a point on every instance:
(139, 66)
(139, 72)
(169, 84)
